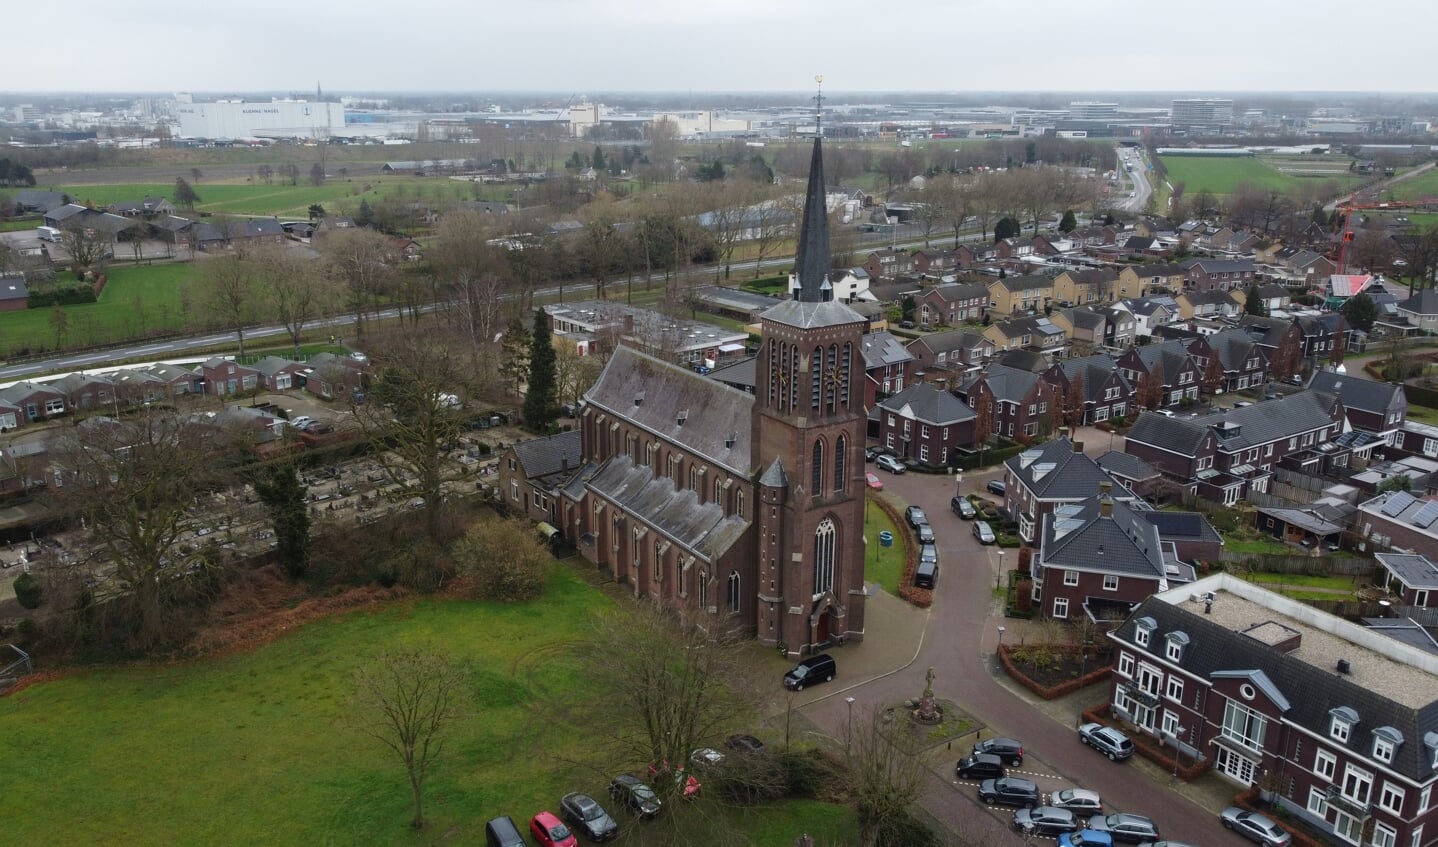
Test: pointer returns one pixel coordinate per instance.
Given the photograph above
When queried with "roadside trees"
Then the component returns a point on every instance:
(230, 288)
(359, 260)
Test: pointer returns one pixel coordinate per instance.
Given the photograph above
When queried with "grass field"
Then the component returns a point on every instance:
(1221, 174)
(1423, 185)
(137, 300)
(255, 749)
(884, 565)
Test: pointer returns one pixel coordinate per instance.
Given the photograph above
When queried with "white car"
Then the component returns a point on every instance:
(358, 356)
(301, 422)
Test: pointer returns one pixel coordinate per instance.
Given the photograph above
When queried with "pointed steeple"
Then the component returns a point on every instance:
(811, 261)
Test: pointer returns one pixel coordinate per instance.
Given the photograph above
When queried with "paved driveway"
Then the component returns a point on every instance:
(959, 643)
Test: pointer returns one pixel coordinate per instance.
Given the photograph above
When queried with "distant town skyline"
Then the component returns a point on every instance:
(1222, 47)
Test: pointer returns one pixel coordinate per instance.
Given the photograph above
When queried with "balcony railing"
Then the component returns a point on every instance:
(1336, 797)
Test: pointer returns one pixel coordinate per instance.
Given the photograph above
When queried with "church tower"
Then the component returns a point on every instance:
(808, 441)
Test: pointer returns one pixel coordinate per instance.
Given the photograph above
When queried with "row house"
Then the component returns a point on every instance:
(1155, 227)
(1143, 280)
(1208, 304)
(1225, 456)
(1095, 236)
(888, 366)
(954, 350)
(971, 256)
(1273, 296)
(951, 304)
(924, 423)
(223, 377)
(1018, 400)
(1029, 293)
(889, 262)
(1322, 334)
(1208, 274)
(1120, 328)
(1046, 476)
(1412, 577)
(279, 374)
(32, 402)
(1149, 312)
(1398, 520)
(1035, 333)
(1141, 245)
(331, 377)
(1380, 408)
(1096, 384)
(1335, 722)
(935, 262)
(84, 392)
(1082, 326)
(1014, 248)
(1098, 557)
(1244, 362)
(1303, 265)
(1280, 338)
(1420, 312)
(1086, 287)
(1169, 365)
(532, 474)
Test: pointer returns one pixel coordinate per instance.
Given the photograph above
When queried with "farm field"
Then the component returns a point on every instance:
(137, 301)
(1423, 185)
(254, 748)
(1221, 175)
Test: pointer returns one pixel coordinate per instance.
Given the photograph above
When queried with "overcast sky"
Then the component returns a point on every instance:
(737, 45)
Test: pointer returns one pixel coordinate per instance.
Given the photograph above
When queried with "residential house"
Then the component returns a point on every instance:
(1120, 328)
(1170, 365)
(1142, 245)
(1272, 295)
(1281, 340)
(14, 294)
(1154, 227)
(924, 423)
(1207, 274)
(1096, 236)
(532, 474)
(257, 231)
(1142, 280)
(1421, 310)
(332, 377)
(888, 366)
(1377, 407)
(224, 377)
(954, 350)
(1266, 685)
(279, 374)
(35, 402)
(1321, 334)
(146, 208)
(1097, 558)
(1149, 312)
(1083, 326)
(1400, 521)
(1193, 538)
(1016, 294)
(1050, 245)
(1093, 389)
(1244, 362)
(1046, 476)
(1014, 248)
(889, 262)
(951, 304)
(177, 381)
(935, 263)
(1014, 398)
(1225, 455)
(30, 201)
(10, 417)
(1085, 287)
(1413, 577)
(1214, 303)
(1131, 472)
(84, 392)
(969, 256)
(1035, 333)
(135, 387)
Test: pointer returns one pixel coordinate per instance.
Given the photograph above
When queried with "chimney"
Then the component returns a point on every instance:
(919, 377)
(1078, 446)
(1105, 499)
(940, 383)
(1063, 432)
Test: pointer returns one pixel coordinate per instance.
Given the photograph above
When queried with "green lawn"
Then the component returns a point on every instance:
(884, 565)
(1423, 185)
(137, 300)
(1222, 174)
(255, 749)
(1256, 546)
(1340, 583)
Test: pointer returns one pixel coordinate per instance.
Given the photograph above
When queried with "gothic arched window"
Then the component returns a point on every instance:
(824, 557)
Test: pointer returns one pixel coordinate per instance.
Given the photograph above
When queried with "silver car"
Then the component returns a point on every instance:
(1257, 828)
(984, 533)
(1077, 800)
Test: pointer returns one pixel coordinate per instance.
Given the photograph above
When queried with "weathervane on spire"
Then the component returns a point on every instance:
(819, 107)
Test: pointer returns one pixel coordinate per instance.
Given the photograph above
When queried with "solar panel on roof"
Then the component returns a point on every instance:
(1397, 503)
(1170, 523)
(1426, 515)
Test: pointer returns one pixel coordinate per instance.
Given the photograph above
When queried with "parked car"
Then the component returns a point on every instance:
(706, 757)
(744, 744)
(502, 832)
(996, 486)
(1165, 412)
(585, 813)
(890, 464)
(925, 533)
(550, 831)
(873, 481)
(984, 533)
(1010, 750)
(1106, 740)
(301, 421)
(359, 357)
(630, 791)
(1077, 800)
(963, 508)
(1125, 826)
(1257, 828)
(820, 668)
(1009, 791)
(1167, 843)
(1045, 820)
(1086, 838)
(926, 573)
(915, 516)
(980, 766)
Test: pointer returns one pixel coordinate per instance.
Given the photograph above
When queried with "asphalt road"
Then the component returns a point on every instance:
(959, 644)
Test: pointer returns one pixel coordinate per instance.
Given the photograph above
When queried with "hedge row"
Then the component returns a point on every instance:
(1248, 800)
(1051, 692)
(68, 295)
(921, 597)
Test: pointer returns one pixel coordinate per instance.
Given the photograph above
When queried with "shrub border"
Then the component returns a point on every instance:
(1051, 692)
(1246, 800)
(921, 597)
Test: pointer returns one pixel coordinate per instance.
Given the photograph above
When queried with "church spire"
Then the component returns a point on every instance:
(811, 261)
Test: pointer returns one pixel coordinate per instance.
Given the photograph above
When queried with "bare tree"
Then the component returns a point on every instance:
(887, 776)
(407, 700)
(359, 259)
(727, 209)
(87, 247)
(231, 290)
(131, 484)
(294, 295)
(472, 277)
(775, 220)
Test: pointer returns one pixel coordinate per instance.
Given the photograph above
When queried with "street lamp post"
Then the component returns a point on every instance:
(1001, 640)
(849, 737)
(1177, 749)
(1000, 576)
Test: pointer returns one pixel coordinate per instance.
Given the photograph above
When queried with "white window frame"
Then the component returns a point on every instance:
(1173, 650)
(1125, 665)
(1339, 730)
(1110, 582)
(1061, 608)
(1383, 835)
(1173, 688)
(1382, 749)
(1359, 778)
(1318, 802)
(1141, 636)
(1391, 798)
(1071, 578)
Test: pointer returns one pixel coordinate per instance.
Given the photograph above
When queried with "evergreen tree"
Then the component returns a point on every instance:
(1005, 228)
(283, 494)
(598, 163)
(540, 407)
(1069, 222)
(365, 215)
(1254, 305)
(1360, 311)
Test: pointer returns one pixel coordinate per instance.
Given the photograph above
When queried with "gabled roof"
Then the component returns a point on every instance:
(1212, 297)
(1024, 360)
(12, 287)
(1218, 266)
(1085, 318)
(1024, 283)
(1008, 383)
(1269, 420)
(271, 365)
(950, 340)
(929, 404)
(1095, 370)
(1078, 536)
(719, 418)
(1357, 393)
(1176, 435)
(1167, 358)
(1424, 302)
(882, 349)
(1126, 467)
(960, 291)
(1181, 526)
(542, 457)
(1055, 471)
(1234, 348)
(1031, 325)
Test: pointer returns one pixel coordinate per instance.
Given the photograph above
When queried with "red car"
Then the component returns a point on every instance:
(874, 482)
(550, 831)
(691, 785)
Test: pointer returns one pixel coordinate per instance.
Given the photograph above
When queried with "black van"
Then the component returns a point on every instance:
(501, 832)
(820, 668)
(927, 573)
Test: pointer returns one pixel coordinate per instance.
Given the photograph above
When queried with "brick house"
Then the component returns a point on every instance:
(35, 402)
(1086, 287)
(1046, 476)
(1101, 388)
(889, 263)
(888, 366)
(956, 350)
(1014, 248)
(1020, 294)
(924, 423)
(1414, 577)
(1207, 304)
(331, 377)
(279, 374)
(1017, 399)
(935, 262)
(1120, 328)
(1035, 333)
(1143, 280)
(531, 474)
(1244, 362)
(14, 294)
(951, 304)
(1225, 456)
(1377, 407)
(1398, 520)
(1167, 363)
(1081, 325)
(84, 392)
(1335, 721)
(224, 377)
(1208, 274)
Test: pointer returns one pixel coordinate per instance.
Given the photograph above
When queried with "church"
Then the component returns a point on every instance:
(742, 512)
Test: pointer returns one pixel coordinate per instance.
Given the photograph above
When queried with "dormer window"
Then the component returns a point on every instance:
(1143, 630)
(1386, 741)
(1341, 723)
(1176, 644)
